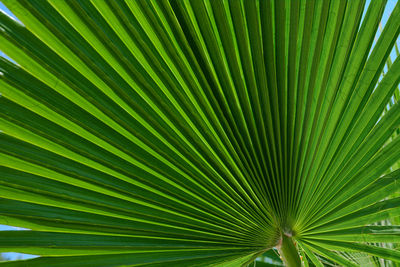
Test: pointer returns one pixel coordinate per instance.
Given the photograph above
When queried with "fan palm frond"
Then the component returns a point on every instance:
(199, 133)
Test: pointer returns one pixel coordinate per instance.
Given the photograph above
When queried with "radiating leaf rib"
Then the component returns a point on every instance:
(364, 88)
(371, 234)
(378, 100)
(316, 47)
(311, 255)
(111, 206)
(345, 70)
(330, 255)
(114, 124)
(20, 113)
(57, 244)
(386, 253)
(383, 159)
(134, 259)
(47, 126)
(372, 193)
(373, 213)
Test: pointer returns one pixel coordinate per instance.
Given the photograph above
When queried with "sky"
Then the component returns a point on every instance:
(14, 256)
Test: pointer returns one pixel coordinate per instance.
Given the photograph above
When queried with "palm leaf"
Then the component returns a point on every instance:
(199, 133)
